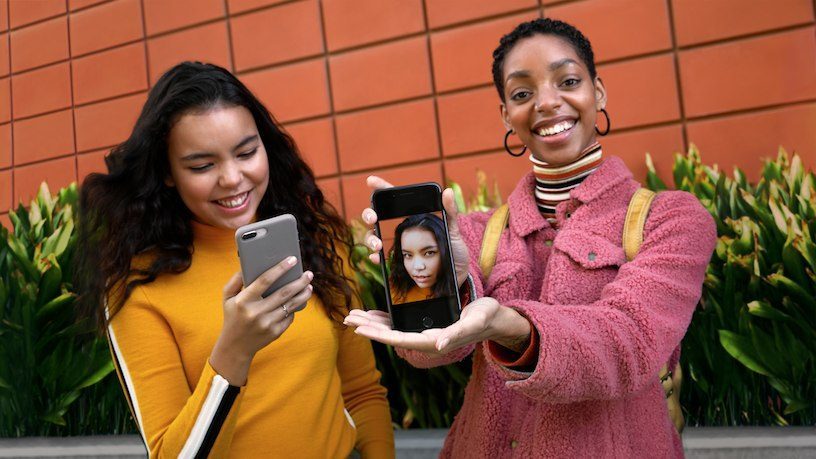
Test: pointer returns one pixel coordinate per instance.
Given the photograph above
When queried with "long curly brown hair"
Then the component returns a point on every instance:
(130, 212)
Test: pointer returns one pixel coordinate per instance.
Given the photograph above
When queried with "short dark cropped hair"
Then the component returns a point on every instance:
(542, 26)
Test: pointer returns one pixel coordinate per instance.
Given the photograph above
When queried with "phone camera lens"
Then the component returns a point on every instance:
(248, 235)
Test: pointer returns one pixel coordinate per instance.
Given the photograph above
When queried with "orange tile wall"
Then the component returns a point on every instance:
(402, 88)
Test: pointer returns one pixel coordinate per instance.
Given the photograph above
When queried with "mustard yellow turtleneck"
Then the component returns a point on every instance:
(305, 392)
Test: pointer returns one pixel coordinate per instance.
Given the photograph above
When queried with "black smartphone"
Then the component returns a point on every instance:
(416, 259)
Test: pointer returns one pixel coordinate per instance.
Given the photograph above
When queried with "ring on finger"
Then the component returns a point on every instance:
(285, 310)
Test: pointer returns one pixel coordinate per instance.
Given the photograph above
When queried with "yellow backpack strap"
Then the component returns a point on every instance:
(635, 221)
(490, 240)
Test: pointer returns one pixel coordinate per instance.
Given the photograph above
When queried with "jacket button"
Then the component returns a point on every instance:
(592, 256)
(548, 243)
(513, 444)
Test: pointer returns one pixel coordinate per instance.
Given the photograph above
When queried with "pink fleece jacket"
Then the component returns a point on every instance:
(606, 326)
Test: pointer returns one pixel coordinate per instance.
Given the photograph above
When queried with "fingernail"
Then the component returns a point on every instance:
(291, 261)
(309, 275)
(310, 287)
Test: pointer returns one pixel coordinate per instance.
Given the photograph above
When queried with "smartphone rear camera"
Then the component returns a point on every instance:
(249, 235)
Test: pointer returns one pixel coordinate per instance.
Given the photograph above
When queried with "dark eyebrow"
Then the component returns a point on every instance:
(517, 74)
(204, 155)
(558, 64)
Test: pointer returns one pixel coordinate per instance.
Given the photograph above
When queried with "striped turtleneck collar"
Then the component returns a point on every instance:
(554, 183)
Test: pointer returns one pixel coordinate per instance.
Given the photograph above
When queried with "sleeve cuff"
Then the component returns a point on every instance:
(524, 361)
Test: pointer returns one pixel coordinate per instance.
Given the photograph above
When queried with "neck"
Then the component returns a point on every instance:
(554, 183)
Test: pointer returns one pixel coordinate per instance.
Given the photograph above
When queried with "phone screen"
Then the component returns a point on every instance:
(418, 268)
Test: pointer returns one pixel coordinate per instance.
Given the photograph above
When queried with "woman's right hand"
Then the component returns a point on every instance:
(251, 322)
(461, 257)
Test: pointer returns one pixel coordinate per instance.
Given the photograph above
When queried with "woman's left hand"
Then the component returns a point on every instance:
(483, 319)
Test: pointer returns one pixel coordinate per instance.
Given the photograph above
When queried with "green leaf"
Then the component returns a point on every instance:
(741, 349)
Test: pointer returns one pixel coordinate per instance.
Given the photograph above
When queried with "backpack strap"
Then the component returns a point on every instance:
(635, 221)
(490, 240)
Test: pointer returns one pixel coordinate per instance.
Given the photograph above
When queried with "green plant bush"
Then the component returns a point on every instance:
(750, 351)
(55, 373)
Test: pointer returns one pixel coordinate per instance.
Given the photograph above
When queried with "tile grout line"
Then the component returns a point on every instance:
(144, 44)
(230, 46)
(332, 115)
(434, 95)
(71, 81)
(677, 80)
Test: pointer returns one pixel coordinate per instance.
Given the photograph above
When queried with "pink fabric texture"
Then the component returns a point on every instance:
(606, 326)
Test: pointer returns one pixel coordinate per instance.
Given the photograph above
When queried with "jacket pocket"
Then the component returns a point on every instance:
(588, 250)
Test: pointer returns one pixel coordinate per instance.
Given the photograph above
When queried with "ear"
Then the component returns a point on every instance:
(505, 117)
(168, 180)
(600, 94)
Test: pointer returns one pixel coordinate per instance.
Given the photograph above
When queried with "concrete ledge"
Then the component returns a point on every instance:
(700, 443)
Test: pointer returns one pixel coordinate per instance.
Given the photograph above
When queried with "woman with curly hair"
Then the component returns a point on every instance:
(210, 366)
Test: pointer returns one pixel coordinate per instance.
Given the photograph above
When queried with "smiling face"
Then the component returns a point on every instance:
(420, 256)
(551, 102)
(219, 166)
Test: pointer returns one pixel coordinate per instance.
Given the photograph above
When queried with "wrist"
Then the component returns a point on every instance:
(512, 329)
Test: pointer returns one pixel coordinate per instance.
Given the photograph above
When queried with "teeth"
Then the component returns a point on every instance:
(233, 202)
(552, 130)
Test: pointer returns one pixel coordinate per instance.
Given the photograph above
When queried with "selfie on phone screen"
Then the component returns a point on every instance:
(418, 257)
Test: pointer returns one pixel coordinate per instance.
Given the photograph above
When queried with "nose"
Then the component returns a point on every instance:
(547, 100)
(230, 176)
(419, 265)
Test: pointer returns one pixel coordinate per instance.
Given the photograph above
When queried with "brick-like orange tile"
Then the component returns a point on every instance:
(107, 123)
(4, 25)
(74, 5)
(357, 196)
(641, 91)
(470, 121)
(109, 73)
(380, 74)
(698, 21)
(741, 140)
(315, 140)
(28, 11)
(42, 90)
(239, 6)
(5, 191)
(46, 136)
(661, 143)
(754, 72)
(445, 12)
(91, 162)
(331, 192)
(500, 169)
(166, 15)
(4, 54)
(5, 145)
(39, 44)
(105, 25)
(384, 136)
(208, 43)
(5, 99)
(293, 91)
(462, 56)
(296, 33)
(619, 28)
(355, 22)
(57, 173)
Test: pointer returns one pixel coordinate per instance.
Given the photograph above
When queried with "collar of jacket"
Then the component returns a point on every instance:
(525, 217)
